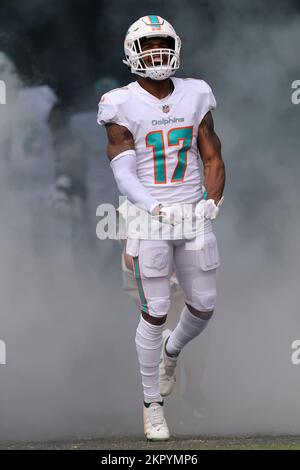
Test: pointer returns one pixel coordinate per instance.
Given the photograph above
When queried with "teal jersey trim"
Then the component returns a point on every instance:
(137, 273)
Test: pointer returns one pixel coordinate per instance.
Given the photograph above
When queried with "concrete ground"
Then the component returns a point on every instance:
(176, 443)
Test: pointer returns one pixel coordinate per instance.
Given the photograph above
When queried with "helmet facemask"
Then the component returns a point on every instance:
(157, 63)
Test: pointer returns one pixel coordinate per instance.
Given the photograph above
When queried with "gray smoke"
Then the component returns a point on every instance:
(71, 366)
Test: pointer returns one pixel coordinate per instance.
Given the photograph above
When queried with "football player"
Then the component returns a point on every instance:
(157, 127)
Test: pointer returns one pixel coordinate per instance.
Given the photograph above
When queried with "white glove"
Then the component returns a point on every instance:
(172, 215)
(208, 208)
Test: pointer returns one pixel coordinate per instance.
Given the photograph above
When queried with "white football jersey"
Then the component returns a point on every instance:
(165, 135)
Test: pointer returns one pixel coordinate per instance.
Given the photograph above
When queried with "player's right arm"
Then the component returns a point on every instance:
(122, 156)
(119, 140)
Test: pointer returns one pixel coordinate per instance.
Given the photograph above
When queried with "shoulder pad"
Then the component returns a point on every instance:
(197, 85)
(116, 96)
(202, 95)
(110, 107)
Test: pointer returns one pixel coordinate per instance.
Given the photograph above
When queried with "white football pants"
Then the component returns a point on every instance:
(195, 269)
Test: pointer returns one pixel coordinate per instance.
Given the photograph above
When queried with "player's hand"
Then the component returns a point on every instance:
(208, 208)
(172, 215)
(156, 211)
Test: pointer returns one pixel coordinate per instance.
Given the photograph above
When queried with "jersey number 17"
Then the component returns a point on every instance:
(178, 136)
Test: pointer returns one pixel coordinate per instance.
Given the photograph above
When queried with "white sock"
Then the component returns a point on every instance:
(188, 327)
(148, 342)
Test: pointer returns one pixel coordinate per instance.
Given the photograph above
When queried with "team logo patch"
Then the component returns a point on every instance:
(166, 108)
(159, 260)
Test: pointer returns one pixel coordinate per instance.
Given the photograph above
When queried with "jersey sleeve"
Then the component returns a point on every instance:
(206, 100)
(108, 113)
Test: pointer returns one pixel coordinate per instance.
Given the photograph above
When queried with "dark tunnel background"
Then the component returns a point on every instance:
(69, 44)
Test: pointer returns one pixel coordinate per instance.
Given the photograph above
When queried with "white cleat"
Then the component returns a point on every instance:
(155, 425)
(167, 366)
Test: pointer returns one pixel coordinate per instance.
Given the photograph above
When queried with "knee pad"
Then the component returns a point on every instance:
(204, 301)
(159, 307)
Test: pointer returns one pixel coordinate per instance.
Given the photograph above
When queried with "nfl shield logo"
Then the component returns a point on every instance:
(166, 108)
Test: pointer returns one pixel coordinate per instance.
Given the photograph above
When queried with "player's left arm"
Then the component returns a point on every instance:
(210, 151)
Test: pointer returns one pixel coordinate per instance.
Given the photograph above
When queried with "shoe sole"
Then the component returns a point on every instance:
(153, 439)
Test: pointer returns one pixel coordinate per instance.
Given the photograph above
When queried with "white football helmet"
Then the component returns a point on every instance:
(165, 61)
